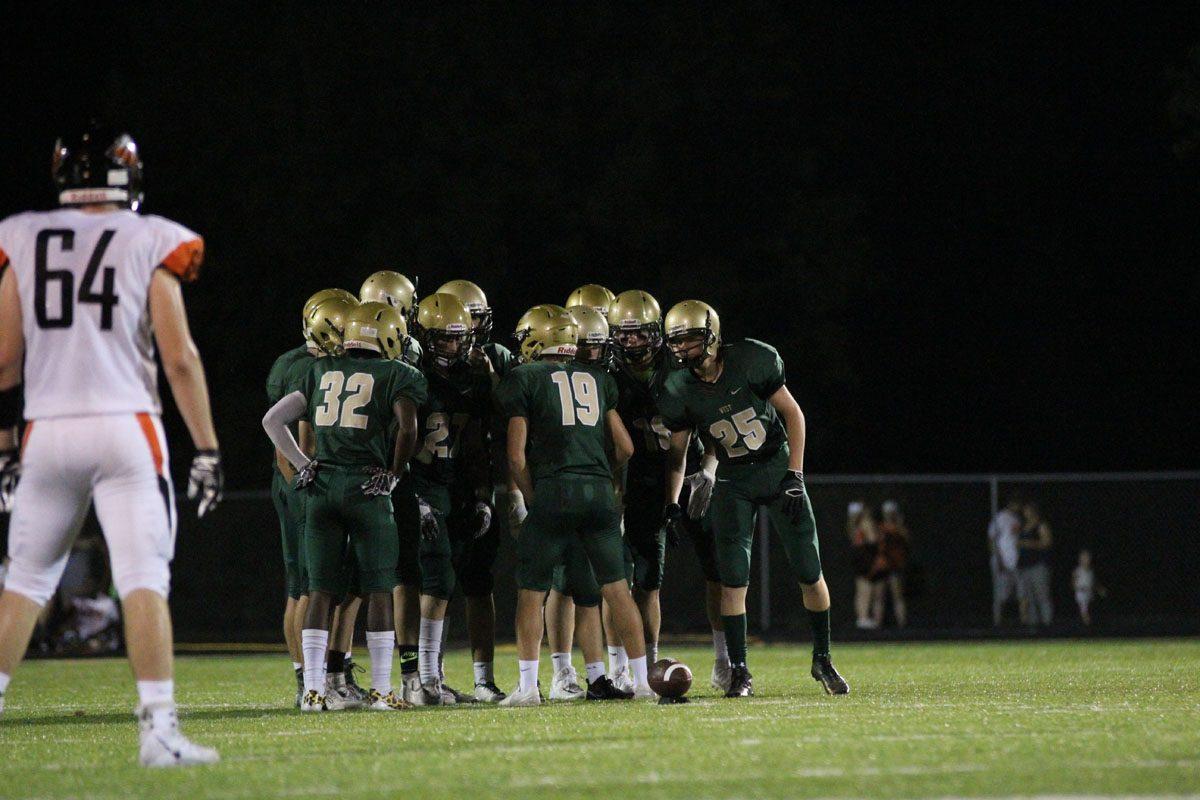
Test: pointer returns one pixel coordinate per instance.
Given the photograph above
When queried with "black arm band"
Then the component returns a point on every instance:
(10, 406)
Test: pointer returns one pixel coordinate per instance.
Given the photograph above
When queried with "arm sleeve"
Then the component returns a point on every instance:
(176, 249)
(766, 373)
(275, 423)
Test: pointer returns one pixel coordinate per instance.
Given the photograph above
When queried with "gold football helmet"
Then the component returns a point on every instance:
(442, 326)
(593, 335)
(592, 294)
(325, 323)
(548, 330)
(525, 323)
(635, 322)
(316, 300)
(693, 331)
(378, 327)
(476, 302)
(389, 287)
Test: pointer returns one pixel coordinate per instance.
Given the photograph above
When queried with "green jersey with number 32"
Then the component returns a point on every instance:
(735, 411)
(350, 404)
(565, 404)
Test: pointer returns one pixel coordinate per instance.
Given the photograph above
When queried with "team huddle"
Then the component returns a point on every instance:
(406, 441)
(598, 445)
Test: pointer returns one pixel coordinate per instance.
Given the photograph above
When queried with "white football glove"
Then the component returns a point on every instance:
(482, 519)
(206, 481)
(380, 484)
(430, 530)
(517, 512)
(701, 483)
(10, 473)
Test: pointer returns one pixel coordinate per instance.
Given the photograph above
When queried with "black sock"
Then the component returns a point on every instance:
(735, 638)
(408, 659)
(819, 620)
(335, 662)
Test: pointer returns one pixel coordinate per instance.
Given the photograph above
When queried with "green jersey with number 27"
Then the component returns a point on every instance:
(350, 404)
(735, 411)
(565, 404)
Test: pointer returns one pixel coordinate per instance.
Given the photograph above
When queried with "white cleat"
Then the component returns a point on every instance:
(378, 701)
(410, 689)
(644, 692)
(522, 699)
(622, 679)
(722, 676)
(566, 685)
(312, 701)
(424, 694)
(165, 746)
(2, 701)
(338, 695)
(488, 693)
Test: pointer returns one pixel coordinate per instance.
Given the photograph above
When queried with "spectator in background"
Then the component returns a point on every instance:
(864, 540)
(891, 559)
(1003, 533)
(1033, 568)
(1083, 581)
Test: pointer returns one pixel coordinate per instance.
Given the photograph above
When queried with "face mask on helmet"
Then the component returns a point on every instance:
(592, 352)
(690, 347)
(638, 344)
(447, 348)
(481, 326)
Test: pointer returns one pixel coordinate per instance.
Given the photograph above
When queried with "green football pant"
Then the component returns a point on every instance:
(344, 527)
(564, 512)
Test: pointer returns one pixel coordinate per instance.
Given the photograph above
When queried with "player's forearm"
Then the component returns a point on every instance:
(285, 466)
(275, 422)
(190, 389)
(406, 434)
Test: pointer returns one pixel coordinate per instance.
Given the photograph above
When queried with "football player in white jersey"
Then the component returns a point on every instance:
(86, 292)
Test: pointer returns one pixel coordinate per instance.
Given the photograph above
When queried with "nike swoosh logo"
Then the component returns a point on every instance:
(175, 753)
(735, 391)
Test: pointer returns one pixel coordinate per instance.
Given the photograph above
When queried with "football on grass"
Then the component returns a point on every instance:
(670, 678)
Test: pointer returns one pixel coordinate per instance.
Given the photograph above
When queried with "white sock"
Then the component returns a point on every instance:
(560, 660)
(638, 667)
(379, 645)
(348, 658)
(430, 644)
(529, 675)
(158, 698)
(4, 679)
(616, 659)
(297, 665)
(314, 643)
(652, 652)
(483, 672)
(595, 671)
(720, 651)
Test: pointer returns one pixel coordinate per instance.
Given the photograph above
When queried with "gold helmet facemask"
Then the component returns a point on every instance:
(524, 324)
(635, 323)
(545, 330)
(693, 332)
(592, 294)
(593, 342)
(476, 302)
(325, 324)
(439, 322)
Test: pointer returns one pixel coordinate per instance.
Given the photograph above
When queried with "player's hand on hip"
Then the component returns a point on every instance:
(672, 521)
(306, 475)
(700, 484)
(429, 521)
(481, 520)
(381, 483)
(10, 473)
(791, 489)
(517, 512)
(206, 481)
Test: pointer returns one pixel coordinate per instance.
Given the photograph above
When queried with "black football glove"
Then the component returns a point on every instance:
(791, 489)
(380, 484)
(306, 475)
(206, 481)
(10, 473)
(481, 520)
(672, 521)
(429, 521)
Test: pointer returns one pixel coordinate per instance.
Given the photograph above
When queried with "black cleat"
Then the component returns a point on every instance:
(739, 682)
(824, 674)
(604, 689)
(352, 684)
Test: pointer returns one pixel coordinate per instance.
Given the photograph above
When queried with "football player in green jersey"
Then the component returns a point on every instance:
(400, 293)
(451, 424)
(641, 367)
(735, 395)
(325, 310)
(561, 425)
(475, 558)
(352, 400)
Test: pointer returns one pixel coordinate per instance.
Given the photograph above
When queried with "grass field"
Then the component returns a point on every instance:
(956, 719)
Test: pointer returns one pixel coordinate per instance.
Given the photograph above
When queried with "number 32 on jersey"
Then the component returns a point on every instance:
(344, 411)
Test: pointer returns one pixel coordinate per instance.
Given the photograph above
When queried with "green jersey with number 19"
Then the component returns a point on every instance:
(565, 404)
(350, 402)
(735, 410)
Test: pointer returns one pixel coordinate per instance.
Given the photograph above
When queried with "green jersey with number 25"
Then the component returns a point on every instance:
(350, 407)
(735, 411)
(565, 404)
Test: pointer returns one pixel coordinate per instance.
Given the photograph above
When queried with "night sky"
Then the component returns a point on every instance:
(973, 234)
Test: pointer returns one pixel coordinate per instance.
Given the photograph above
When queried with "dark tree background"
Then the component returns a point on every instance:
(972, 233)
